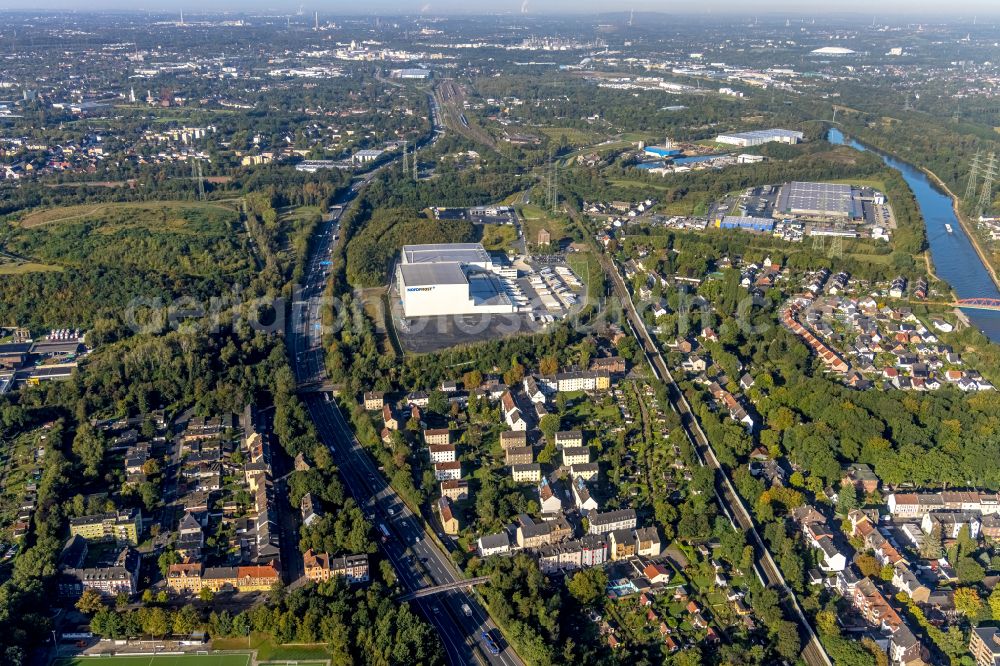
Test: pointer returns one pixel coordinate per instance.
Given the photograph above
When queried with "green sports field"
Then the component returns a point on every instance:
(162, 660)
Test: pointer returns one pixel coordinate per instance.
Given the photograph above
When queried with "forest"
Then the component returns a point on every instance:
(358, 626)
(372, 251)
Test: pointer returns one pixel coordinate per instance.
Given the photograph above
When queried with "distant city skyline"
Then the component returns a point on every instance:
(792, 7)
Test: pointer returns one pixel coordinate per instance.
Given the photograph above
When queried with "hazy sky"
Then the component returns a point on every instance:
(797, 7)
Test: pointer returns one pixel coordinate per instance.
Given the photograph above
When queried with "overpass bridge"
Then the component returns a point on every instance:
(428, 591)
(317, 387)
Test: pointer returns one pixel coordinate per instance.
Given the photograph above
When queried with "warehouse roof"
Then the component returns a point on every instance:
(823, 198)
(469, 253)
(765, 134)
(416, 275)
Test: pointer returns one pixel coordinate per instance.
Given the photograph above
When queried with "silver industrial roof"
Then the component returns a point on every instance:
(468, 253)
(824, 198)
(418, 275)
(765, 134)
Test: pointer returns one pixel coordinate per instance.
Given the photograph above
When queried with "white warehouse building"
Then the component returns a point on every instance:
(450, 279)
(760, 137)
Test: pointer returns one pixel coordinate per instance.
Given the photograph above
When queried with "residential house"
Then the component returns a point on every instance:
(534, 535)
(513, 439)
(389, 419)
(589, 551)
(622, 544)
(984, 644)
(520, 455)
(534, 393)
(455, 489)
(374, 400)
(904, 580)
(109, 581)
(449, 521)
(319, 567)
(121, 526)
(311, 509)
(861, 477)
(614, 365)
(582, 497)
(569, 438)
(494, 544)
(647, 542)
(185, 578)
(952, 522)
(656, 574)
(440, 453)
(437, 437)
(448, 470)
(548, 500)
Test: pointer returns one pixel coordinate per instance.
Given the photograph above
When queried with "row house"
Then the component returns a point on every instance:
(441, 453)
(915, 505)
(582, 498)
(867, 531)
(119, 578)
(529, 473)
(602, 523)
(589, 551)
(533, 391)
(585, 471)
(585, 380)
(819, 536)
(904, 580)
(868, 600)
(548, 500)
(260, 578)
(321, 567)
(575, 455)
(951, 523)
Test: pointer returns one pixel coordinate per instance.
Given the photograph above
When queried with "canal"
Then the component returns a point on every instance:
(955, 259)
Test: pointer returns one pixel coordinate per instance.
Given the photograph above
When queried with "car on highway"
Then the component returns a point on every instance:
(392, 512)
(491, 644)
(466, 610)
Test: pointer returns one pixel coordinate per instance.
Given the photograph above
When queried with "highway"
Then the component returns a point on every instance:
(813, 652)
(418, 560)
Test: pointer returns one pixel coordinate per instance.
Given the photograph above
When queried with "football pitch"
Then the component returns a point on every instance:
(161, 660)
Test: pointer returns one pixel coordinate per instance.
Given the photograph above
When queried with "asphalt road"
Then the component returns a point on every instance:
(812, 652)
(416, 558)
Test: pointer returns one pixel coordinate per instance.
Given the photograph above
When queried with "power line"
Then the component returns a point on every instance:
(970, 188)
(989, 174)
(553, 184)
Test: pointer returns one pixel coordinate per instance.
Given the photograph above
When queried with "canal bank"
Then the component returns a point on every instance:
(967, 226)
(956, 255)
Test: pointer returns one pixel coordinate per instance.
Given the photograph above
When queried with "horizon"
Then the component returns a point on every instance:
(962, 10)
